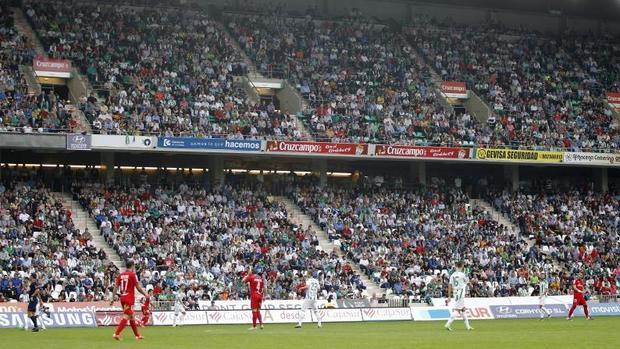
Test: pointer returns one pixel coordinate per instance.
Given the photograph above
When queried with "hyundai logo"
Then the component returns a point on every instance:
(79, 139)
(504, 310)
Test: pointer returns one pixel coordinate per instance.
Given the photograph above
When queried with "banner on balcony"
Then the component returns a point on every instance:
(50, 67)
(454, 89)
(317, 148)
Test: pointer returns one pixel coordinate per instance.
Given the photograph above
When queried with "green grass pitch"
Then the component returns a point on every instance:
(602, 332)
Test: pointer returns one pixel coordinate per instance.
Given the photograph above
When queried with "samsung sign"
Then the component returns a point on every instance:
(61, 319)
(209, 143)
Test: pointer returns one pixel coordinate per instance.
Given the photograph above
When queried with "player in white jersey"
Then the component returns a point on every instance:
(543, 292)
(312, 288)
(457, 288)
(179, 307)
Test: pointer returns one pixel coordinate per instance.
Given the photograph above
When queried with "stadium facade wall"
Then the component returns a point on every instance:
(215, 146)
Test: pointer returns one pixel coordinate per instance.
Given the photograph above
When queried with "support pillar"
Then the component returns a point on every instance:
(319, 168)
(216, 171)
(563, 24)
(324, 7)
(410, 12)
(422, 173)
(600, 179)
(107, 160)
(511, 175)
(417, 173)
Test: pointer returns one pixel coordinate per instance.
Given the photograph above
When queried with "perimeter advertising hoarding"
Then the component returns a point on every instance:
(78, 141)
(209, 144)
(317, 148)
(516, 155)
(56, 319)
(406, 151)
(123, 142)
(603, 159)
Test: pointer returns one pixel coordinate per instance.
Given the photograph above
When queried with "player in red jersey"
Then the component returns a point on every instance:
(257, 284)
(579, 297)
(146, 308)
(127, 283)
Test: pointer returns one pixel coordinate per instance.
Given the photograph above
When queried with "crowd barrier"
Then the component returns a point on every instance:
(93, 314)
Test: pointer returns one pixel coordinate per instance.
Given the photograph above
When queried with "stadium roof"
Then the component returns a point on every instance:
(600, 9)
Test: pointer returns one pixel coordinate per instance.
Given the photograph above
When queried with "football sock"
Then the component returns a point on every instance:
(466, 319)
(302, 315)
(572, 309)
(121, 327)
(318, 318)
(450, 320)
(134, 327)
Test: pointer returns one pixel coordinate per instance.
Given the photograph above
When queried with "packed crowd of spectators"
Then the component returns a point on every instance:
(201, 241)
(21, 111)
(362, 81)
(408, 240)
(576, 229)
(196, 239)
(37, 234)
(544, 91)
(160, 70)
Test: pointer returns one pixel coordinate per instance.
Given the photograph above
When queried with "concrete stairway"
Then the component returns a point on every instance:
(501, 219)
(33, 85)
(83, 221)
(474, 105)
(298, 217)
(254, 73)
(233, 41)
(24, 28)
(495, 214)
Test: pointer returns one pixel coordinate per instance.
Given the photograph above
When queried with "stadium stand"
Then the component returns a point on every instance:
(177, 81)
(573, 228)
(365, 82)
(206, 239)
(407, 239)
(379, 95)
(37, 234)
(21, 111)
(544, 91)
